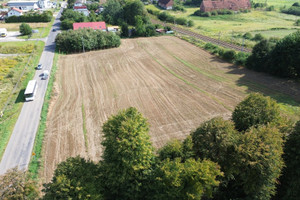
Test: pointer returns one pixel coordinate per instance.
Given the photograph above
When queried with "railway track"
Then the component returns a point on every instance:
(205, 38)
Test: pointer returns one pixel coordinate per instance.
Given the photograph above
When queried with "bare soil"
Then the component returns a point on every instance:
(174, 84)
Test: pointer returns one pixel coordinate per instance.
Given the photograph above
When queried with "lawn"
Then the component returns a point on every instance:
(230, 27)
(11, 70)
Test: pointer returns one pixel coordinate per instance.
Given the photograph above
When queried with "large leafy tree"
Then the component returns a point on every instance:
(113, 12)
(290, 180)
(15, 185)
(74, 178)
(260, 153)
(255, 110)
(132, 9)
(215, 140)
(128, 155)
(192, 179)
(285, 57)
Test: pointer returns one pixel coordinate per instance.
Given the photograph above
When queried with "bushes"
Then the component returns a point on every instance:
(25, 29)
(46, 16)
(248, 36)
(72, 41)
(293, 10)
(166, 17)
(297, 23)
(213, 13)
(227, 54)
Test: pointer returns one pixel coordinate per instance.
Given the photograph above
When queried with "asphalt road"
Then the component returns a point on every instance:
(19, 149)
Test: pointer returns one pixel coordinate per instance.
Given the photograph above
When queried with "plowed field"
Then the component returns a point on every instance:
(173, 83)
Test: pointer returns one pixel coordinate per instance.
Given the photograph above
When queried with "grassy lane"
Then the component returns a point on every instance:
(25, 64)
(35, 163)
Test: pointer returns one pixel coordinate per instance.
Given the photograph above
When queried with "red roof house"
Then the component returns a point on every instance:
(93, 25)
(79, 7)
(166, 4)
(210, 5)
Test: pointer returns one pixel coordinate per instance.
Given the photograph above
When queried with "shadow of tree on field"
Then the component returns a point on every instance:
(284, 91)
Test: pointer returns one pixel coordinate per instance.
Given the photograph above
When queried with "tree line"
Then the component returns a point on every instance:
(46, 16)
(86, 39)
(241, 158)
(277, 57)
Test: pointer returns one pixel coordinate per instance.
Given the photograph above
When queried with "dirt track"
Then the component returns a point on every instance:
(173, 83)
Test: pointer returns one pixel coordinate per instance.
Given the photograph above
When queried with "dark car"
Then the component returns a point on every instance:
(39, 67)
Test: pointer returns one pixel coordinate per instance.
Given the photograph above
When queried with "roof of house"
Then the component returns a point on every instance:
(93, 25)
(21, 3)
(225, 4)
(16, 9)
(80, 7)
(166, 2)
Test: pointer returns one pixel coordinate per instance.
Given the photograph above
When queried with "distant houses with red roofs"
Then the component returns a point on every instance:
(210, 5)
(92, 25)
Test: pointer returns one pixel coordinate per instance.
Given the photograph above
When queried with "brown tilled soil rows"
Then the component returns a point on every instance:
(173, 83)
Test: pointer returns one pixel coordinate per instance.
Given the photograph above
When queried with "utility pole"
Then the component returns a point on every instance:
(82, 45)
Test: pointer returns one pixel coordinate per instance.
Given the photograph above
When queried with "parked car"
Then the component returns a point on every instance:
(39, 67)
(54, 30)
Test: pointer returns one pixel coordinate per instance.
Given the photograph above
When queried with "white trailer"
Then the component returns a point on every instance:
(30, 90)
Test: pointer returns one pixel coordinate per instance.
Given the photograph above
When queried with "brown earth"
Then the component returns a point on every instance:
(176, 86)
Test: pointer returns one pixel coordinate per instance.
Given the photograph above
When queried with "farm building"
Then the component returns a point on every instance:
(93, 25)
(166, 4)
(14, 12)
(29, 5)
(209, 5)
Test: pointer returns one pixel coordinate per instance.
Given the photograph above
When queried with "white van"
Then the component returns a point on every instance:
(45, 74)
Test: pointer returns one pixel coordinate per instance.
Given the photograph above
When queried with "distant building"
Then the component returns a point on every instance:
(113, 29)
(209, 5)
(44, 4)
(14, 12)
(166, 4)
(93, 25)
(24, 5)
(78, 3)
(82, 9)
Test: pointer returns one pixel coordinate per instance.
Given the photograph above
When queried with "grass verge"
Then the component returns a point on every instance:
(35, 163)
(13, 108)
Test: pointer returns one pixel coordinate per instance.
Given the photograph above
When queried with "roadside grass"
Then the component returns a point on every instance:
(277, 3)
(35, 163)
(7, 84)
(230, 27)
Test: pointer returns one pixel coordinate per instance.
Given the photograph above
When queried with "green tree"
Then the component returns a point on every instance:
(255, 110)
(171, 150)
(289, 182)
(92, 16)
(128, 155)
(260, 153)
(285, 57)
(132, 9)
(124, 30)
(25, 29)
(15, 185)
(140, 26)
(74, 178)
(113, 12)
(260, 57)
(215, 140)
(192, 179)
